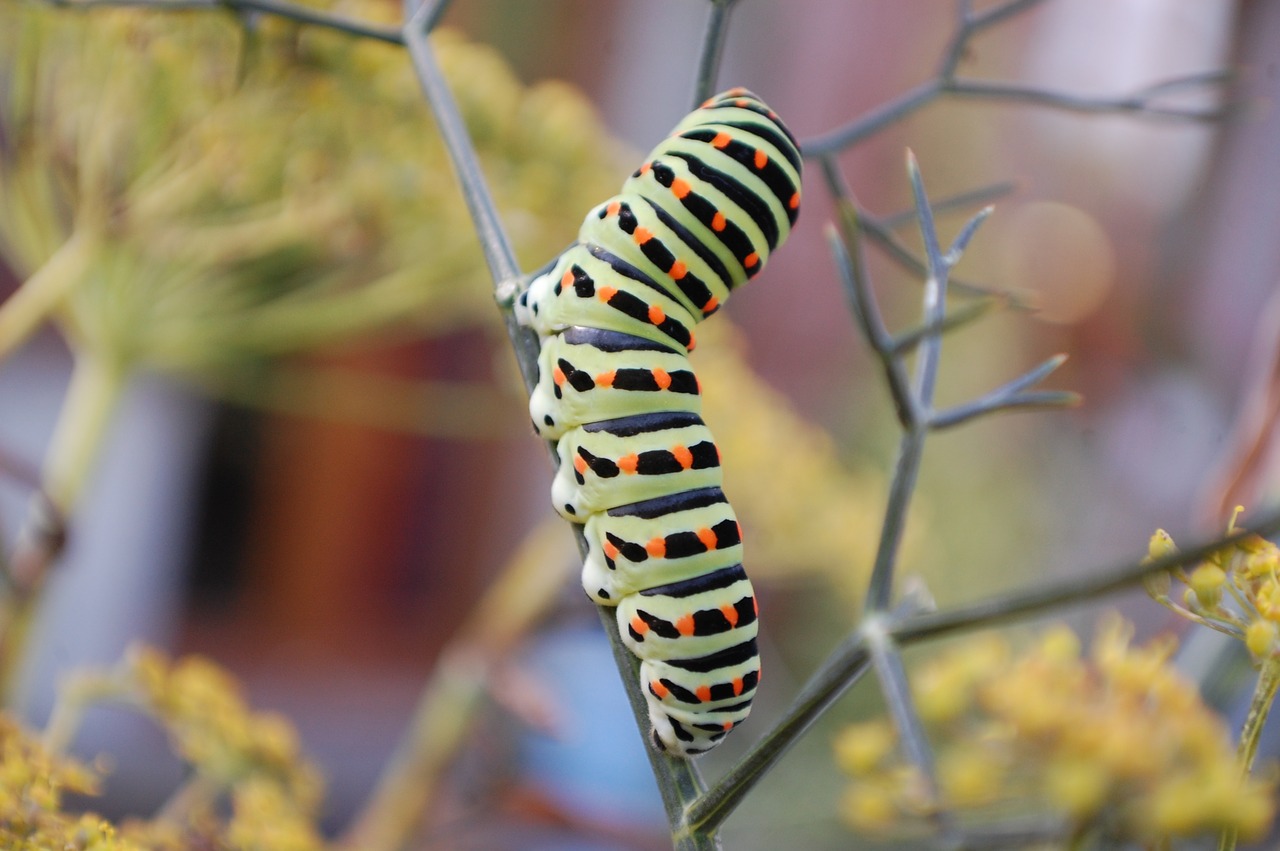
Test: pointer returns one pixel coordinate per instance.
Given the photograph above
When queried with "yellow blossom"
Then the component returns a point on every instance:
(1266, 599)
(1077, 786)
(1060, 644)
(869, 807)
(1117, 740)
(1206, 581)
(1160, 545)
(971, 775)
(861, 747)
(1261, 558)
(1261, 637)
(266, 819)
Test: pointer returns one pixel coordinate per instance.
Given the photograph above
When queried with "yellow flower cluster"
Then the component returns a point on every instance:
(34, 782)
(1235, 591)
(212, 727)
(1117, 746)
(253, 759)
(32, 785)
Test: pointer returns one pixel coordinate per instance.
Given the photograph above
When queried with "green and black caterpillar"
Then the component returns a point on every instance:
(637, 465)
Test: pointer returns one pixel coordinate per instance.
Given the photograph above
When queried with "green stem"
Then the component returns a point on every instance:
(446, 712)
(713, 39)
(22, 313)
(97, 383)
(516, 601)
(1264, 695)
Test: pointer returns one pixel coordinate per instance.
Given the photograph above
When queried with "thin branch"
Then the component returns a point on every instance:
(494, 242)
(905, 341)
(996, 14)
(912, 621)
(872, 122)
(282, 8)
(428, 12)
(1032, 377)
(846, 664)
(845, 667)
(498, 252)
(1140, 102)
(306, 15)
(911, 446)
(1216, 77)
(847, 253)
(1038, 401)
(944, 82)
(857, 288)
(1055, 594)
(967, 231)
(983, 195)
(1010, 395)
(898, 252)
(881, 233)
(971, 24)
(679, 781)
(709, 56)
(887, 661)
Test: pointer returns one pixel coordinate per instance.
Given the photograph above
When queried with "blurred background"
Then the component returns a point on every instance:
(327, 561)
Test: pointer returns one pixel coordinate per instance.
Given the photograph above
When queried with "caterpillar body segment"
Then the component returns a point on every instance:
(711, 214)
(659, 245)
(617, 462)
(695, 617)
(693, 704)
(594, 287)
(588, 374)
(615, 389)
(658, 542)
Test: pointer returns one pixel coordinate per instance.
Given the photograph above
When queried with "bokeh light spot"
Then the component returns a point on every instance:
(1062, 254)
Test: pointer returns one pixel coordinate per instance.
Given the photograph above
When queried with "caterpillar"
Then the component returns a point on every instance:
(638, 467)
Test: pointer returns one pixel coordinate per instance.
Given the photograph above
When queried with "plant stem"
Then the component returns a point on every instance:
(443, 716)
(1045, 595)
(911, 447)
(1264, 695)
(846, 664)
(22, 313)
(97, 384)
(527, 587)
(713, 39)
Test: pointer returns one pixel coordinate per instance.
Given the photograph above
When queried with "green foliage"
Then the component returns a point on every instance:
(182, 198)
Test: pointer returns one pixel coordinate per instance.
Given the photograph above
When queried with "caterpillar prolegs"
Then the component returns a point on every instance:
(638, 467)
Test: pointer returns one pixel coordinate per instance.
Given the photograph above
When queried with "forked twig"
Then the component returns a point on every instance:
(1145, 102)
